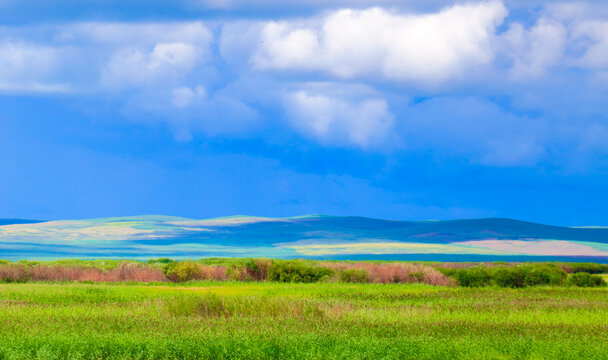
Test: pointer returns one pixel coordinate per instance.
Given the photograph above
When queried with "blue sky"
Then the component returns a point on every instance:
(393, 109)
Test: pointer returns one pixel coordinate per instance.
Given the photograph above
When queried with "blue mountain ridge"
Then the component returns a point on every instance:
(156, 236)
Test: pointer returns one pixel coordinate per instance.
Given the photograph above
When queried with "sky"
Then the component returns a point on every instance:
(408, 110)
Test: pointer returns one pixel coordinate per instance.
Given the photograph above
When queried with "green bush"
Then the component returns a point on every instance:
(543, 274)
(513, 277)
(354, 276)
(184, 271)
(166, 265)
(584, 279)
(474, 276)
(591, 268)
(160, 261)
(296, 271)
(450, 272)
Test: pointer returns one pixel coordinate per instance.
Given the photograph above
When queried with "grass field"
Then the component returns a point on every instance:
(237, 320)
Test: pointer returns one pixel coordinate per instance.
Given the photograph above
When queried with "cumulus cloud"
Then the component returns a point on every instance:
(428, 48)
(26, 67)
(153, 68)
(191, 110)
(339, 120)
(122, 33)
(533, 51)
(143, 55)
(314, 75)
(595, 34)
(87, 57)
(165, 62)
(184, 96)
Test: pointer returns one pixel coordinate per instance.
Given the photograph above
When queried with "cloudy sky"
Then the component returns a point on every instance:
(394, 109)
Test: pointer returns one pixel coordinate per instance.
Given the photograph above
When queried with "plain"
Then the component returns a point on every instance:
(269, 320)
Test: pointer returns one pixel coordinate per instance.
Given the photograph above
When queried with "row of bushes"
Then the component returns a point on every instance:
(590, 268)
(243, 270)
(505, 275)
(305, 272)
(570, 268)
(521, 276)
(22, 272)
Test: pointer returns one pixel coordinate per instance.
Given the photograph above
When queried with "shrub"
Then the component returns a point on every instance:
(474, 277)
(447, 271)
(250, 270)
(296, 271)
(56, 273)
(514, 277)
(434, 277)
(591, 268)
(543, 274)
(217, 273)
(584, 279)
(136, 272)
(14, 273)
(160, 261)
(185, 271)
(395, 272)
(511, 276)
(354, 276)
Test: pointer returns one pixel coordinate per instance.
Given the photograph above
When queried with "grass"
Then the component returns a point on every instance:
(265, 320)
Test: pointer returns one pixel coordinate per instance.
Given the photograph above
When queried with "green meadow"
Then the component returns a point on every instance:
(272, 320)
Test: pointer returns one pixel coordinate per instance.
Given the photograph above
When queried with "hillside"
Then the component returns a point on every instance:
(316, 236)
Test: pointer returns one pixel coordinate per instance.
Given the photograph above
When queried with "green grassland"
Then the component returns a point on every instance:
(271, 320)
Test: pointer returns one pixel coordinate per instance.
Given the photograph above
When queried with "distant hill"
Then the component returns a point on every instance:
(314, 236)
(18, 221)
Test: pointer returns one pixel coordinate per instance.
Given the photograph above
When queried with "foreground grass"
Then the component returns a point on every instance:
(234, 320)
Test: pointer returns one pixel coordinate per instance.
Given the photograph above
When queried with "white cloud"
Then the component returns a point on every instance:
(184, 96)
(190, 110)
(533, 51)
(240, 39)
(596, 35)
(335, 120)
(419, 48)
(129, 34)
(143, 55)
(30, 68)
(165, 62)
(169, 73)
(275, 5)
(87, 57)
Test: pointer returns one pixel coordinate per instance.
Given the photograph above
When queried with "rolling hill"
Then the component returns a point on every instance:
(312, 236)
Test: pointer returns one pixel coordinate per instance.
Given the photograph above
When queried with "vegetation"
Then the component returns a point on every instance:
(583, 279)
(297, 271)
(272, 320)
(511, 276)
(500, 274)
(590, 268)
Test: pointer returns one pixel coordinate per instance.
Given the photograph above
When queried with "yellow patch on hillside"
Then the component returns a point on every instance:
(379, 248)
